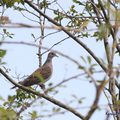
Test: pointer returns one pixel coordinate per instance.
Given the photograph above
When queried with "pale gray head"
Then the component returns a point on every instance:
(52, 54)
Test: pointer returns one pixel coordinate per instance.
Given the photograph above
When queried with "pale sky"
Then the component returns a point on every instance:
(23, 60)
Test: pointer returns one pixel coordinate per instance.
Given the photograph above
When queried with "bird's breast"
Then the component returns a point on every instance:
(46, 73)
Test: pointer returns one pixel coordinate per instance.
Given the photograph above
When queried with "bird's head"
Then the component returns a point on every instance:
(52, 54)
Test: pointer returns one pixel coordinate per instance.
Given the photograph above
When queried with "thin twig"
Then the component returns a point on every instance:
(69, 34)
(51, 99)
(106, 44)
(35, 45)
(55, 45)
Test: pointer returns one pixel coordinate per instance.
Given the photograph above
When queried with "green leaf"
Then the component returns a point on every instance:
(101, 33)
(5, 31)
(2, 53)
(89, 59)
(18, 8)
(56, 109)
(118, 102)
(74, 96)
(83, 59)
(81, 67)
(72, 9)
(81, 100)
(93, 65)
(33, 114)
(7, 114)
(78, 2)
(1, 98)
(11, 98)
(10, 3)
(8, 34)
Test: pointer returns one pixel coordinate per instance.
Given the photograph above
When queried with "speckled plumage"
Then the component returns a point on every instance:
(42, 74)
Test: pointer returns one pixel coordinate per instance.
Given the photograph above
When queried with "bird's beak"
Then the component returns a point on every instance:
(56, 55)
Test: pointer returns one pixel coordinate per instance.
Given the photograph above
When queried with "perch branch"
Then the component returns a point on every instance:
(48, 98)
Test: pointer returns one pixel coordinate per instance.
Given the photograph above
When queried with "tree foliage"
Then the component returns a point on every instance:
(83, 22)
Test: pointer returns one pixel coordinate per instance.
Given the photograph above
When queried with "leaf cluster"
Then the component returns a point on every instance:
(10, 3)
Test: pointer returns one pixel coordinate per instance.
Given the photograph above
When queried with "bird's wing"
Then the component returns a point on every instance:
(41, 75)
(46, 72)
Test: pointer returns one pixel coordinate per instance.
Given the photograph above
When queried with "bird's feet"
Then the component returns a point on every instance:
(42, 86)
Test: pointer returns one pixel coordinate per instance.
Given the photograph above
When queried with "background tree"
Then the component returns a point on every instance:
(83, 33)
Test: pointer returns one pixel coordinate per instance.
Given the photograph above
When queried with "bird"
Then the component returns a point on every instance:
(41, 75)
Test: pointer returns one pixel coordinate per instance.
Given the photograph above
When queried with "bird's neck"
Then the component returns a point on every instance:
(49, 60)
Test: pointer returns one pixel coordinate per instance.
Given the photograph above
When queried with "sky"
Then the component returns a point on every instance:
(22, 60)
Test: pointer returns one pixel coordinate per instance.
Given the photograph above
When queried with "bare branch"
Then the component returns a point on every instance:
(54, 45)
(63, 81)
(35, 45)
(69, 34)
(97, 98)
(51, 99)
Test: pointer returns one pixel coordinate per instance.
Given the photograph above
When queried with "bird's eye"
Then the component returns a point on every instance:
(52, 53)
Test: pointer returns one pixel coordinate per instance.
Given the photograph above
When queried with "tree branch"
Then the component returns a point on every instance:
(52, 100)
(106, 43)
(97, 98)
(35, 45)
(69, 34)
